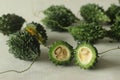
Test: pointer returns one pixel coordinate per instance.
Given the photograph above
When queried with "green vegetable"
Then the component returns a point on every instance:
(58, 17)
(86, 55)
(117, 17)
(37, 30)
(24, 46)
(10, 23)
(87, 32)
(112, 11)
(114, 32)
(61, 53)
(94, 13)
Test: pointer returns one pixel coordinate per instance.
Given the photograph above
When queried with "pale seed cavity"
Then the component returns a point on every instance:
(84, 54)
(61, 53)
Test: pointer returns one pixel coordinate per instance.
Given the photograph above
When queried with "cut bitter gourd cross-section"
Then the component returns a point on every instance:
(61, 53)
(37, 30)
(86, 55)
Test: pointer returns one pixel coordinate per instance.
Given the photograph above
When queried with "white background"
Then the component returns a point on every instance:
(108, 67)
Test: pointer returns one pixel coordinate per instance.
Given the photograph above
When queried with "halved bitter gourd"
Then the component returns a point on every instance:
(61, 53)
(37, 30)
(86, 55)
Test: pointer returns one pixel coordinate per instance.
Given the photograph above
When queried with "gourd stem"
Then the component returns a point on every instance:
(109, 50)
(16, 71)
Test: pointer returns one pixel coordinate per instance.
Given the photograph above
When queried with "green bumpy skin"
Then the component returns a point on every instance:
(94, 13)
(10, 23)
(24, 46)
(37, 30)
(58, 17)
(61, 53)
(112, 12)
(117, 17)
(86, 56)
(87, 32)
(114, 32)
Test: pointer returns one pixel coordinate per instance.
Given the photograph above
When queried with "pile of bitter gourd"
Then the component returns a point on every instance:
(25, 43)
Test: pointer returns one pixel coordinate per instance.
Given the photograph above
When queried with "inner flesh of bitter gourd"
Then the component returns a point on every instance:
(60, 52)
(86, 55)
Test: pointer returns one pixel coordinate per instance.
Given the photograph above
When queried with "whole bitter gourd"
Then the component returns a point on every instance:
(87, 32)
(58, 17)
(112, 12)
(10, 23)
(94, 13)
(24, 46)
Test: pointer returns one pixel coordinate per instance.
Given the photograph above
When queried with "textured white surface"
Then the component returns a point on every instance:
(108, 67)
